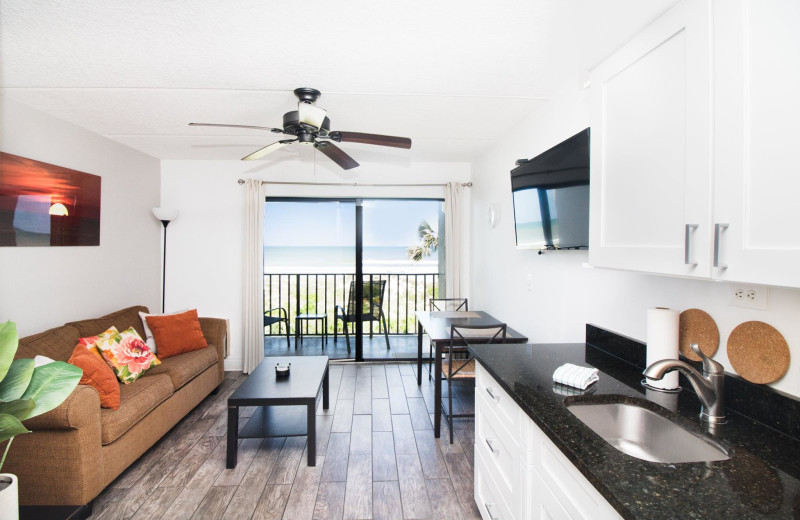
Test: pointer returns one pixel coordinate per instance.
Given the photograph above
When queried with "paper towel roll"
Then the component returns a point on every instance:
(662, 343)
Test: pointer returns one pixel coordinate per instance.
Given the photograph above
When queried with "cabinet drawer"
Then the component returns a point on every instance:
(490, 500)
(501, 455)
(499, 402)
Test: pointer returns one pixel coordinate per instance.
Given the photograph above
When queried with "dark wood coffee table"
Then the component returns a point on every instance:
(287, 405)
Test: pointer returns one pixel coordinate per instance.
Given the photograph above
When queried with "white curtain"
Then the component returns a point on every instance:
(452, 239)
(253, 279)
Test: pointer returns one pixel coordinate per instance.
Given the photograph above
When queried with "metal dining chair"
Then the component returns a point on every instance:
(458, 366)
(449, 304)
(439, 305)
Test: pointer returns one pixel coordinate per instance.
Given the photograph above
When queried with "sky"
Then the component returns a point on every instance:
(332, 223)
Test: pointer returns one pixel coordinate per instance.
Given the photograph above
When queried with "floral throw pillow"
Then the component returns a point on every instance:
(127, 355)
(93, 342)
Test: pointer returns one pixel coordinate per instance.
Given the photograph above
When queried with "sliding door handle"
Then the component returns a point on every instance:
(718, 229)
(687, 244)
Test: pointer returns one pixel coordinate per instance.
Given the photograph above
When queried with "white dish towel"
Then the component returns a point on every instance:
(574, 375)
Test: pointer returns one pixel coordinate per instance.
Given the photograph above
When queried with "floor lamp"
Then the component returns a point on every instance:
(165, 216)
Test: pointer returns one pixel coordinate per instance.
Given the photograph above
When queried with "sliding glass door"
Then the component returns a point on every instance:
(401, 256)
(321, 256)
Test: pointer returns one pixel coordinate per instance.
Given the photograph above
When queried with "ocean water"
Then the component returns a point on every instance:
(336, 259)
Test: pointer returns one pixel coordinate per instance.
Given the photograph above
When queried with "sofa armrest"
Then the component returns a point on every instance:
(215, 331)
(81, 408)
(61, 461)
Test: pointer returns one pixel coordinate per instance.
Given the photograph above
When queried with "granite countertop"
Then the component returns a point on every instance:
(761, 480)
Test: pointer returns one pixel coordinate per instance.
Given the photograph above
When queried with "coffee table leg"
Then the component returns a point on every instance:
(233, 435)
(325, 399)
(437, 392)
(312, 432)
(419, 354)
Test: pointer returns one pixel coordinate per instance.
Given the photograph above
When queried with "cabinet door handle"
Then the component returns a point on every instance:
(490, 443)
(490, 509)
(687, 244)
(491, 394)
(718, 229)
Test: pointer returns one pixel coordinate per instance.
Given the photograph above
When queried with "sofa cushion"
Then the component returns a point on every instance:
(184, 367)
(55, 343)
(136, 401)
(121, 319)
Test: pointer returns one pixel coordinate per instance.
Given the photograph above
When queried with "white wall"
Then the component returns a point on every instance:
(566, 295)
(205, 244)
(43, 287)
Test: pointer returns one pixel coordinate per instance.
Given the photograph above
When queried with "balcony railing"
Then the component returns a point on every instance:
(317, 293)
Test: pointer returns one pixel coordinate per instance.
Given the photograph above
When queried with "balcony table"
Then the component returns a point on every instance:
(437, 325)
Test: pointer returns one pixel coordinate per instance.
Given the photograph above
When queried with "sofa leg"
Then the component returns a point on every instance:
(216, 390)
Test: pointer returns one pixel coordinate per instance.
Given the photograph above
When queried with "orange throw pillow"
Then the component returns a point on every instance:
(177, 333)
(97, 374)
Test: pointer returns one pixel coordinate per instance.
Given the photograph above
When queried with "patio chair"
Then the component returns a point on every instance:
(460, 364)
(372, 309)
(282, 317)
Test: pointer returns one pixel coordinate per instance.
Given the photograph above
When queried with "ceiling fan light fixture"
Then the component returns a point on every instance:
(311, 115)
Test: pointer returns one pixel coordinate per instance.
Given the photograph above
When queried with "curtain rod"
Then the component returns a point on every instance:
(356, 184)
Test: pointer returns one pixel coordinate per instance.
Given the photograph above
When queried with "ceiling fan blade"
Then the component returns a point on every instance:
(275, 130)
(381, 140)
(336, 154)
(258, 154)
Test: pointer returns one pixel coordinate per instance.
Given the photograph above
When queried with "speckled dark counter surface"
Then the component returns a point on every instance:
(761, 480)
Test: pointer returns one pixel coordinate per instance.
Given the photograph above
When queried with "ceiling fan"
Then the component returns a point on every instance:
(309, 124)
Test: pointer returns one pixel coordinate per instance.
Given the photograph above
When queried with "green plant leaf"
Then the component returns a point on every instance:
(10, 426)
(8, 346)
(19, 408)
(17, 379)
(51, 384)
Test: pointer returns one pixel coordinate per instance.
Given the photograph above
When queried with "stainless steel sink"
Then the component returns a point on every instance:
(644, 434)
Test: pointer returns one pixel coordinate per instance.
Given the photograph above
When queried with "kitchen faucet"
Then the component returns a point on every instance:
(708, 385)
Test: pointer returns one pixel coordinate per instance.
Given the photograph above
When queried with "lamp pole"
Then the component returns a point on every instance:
(165, 223)
(165, 216)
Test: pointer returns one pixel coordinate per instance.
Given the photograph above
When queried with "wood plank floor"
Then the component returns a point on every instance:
(376, 458)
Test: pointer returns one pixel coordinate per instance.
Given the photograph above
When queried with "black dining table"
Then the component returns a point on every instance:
(437, 325)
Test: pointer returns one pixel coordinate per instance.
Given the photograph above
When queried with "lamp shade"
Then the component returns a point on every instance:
(165, 214)
(311, 114)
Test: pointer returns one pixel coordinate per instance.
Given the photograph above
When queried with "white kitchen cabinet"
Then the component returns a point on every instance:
(499, 469)
(519, 472)
(651, 148)
(693, 172)
(757, 178)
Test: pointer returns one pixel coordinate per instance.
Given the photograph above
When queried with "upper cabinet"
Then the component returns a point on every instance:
(690, 155)
(756, 173)
(651, 149)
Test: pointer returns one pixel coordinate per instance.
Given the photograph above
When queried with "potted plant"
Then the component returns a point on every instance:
(28, 388)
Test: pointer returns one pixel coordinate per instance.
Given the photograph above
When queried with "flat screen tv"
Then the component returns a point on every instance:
(551, 197)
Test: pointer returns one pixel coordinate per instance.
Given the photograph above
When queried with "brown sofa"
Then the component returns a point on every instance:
(79, 448)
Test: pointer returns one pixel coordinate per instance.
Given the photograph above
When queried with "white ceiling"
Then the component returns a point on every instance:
(453, 75)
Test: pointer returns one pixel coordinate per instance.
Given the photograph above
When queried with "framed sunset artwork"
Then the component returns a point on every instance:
(43, 204)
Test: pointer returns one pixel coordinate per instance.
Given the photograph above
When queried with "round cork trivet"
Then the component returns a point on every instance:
(699, 327)
(758, 352)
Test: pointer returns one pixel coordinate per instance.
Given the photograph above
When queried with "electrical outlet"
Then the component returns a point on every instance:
(749, 296)
(529, 282)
